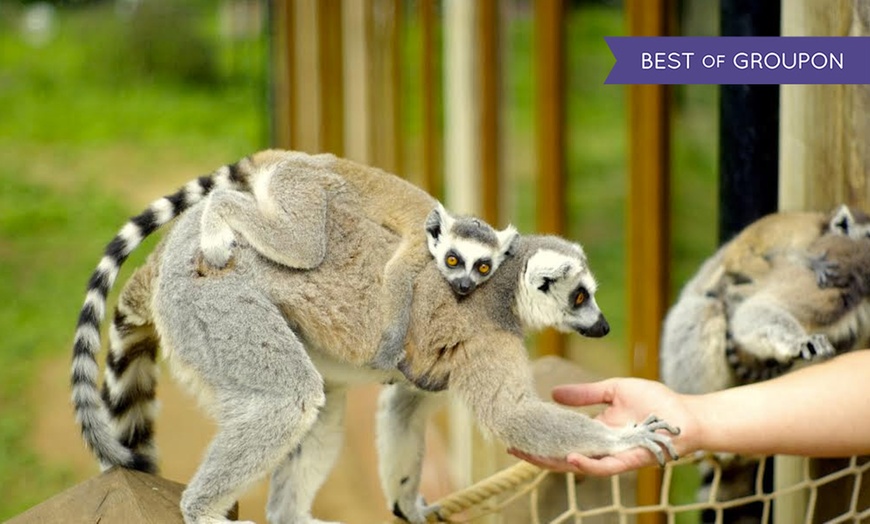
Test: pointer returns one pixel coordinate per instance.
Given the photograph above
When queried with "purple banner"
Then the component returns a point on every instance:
(740, 60)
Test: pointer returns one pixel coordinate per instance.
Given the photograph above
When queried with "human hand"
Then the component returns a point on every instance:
(628, 400)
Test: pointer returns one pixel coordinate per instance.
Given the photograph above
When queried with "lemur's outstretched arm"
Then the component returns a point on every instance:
(499, 391)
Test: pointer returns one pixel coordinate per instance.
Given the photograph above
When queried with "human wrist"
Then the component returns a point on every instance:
(694, 430)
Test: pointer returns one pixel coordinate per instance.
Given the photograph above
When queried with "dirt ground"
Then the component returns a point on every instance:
(352, 494)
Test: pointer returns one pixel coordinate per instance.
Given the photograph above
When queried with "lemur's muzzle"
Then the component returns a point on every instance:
(462, 286)
(596, 330)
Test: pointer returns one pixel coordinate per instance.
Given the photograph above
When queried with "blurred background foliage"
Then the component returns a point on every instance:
(106, 105)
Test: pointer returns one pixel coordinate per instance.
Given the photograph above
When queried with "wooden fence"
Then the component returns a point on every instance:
(341, 69)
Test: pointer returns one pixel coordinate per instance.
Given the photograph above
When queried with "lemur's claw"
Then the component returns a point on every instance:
(654, 441)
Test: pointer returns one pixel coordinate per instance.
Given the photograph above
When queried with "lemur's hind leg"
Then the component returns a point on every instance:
(401, 428)
(299, 476)
(396, 297)
(258, 382)
(763, 327)
(284, 220)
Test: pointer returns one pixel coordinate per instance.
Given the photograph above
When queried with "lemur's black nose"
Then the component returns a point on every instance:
(596, 330)
(463, 286)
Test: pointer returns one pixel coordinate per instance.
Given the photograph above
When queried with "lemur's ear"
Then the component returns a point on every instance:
(438, 221)
(507, 238)
(543, 270)
(842, 222)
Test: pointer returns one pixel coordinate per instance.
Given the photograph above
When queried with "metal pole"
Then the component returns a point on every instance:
(748, 128)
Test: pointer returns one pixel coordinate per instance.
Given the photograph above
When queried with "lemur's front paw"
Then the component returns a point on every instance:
(646, 435)
(217, 248)
(827, 272)
(816, 347)
(391, 348)
(415, 510)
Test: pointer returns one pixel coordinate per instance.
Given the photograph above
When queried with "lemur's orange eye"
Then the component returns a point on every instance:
(452, 261)
(580, 298)
(483, 269)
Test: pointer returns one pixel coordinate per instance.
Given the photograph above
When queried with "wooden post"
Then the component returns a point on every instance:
(331, 76)
(825, 160)
(384, 92)
(430, 68)
(357, 49)
(825, 147)
(472, 458)
(281, 51)
(488, 38)
(305, 94)
(461, 130)
(550, 135)
(648, 221)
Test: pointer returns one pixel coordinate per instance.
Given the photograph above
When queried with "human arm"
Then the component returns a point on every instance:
(815, 411)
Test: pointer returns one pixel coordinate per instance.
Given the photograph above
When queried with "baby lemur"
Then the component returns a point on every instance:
(273, 221)
(270, 349)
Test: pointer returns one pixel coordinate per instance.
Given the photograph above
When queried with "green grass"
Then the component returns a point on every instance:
(83, 125)
(50, 242)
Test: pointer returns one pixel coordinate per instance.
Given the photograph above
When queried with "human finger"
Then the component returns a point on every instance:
(611, 464)
(584, 394)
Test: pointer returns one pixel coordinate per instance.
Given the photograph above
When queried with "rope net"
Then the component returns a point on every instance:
(715, 489)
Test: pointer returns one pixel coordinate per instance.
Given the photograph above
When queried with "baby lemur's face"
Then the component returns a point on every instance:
(467, 250)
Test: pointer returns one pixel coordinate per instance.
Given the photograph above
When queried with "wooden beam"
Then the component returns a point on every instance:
(488, 66)
(331, 76)
(384, 96)
(550, 135)
(304, 86)
(648, 220)
(824, 160)
(430, 94)
(461, 106)
(357, 50)
(281, 51)
(824, 148)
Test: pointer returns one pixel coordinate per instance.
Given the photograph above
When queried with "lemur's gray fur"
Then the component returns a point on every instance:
(766, 300)
(269, 350)
(247, 198)
(790, 289)
(269, 219)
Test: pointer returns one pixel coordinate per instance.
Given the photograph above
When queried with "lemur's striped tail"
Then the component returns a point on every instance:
(128, 375)
(748, 368)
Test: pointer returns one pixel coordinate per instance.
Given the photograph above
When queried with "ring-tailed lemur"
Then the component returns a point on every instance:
(700, 351)
(249, 197)
(790, 289)
(270, 349)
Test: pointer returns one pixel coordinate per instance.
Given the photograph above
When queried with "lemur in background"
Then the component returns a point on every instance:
(752, 277)
(790, 289)
(270, 349)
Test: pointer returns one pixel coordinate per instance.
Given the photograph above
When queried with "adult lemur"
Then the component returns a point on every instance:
(269, 350)
(255, 198)
(790, 289)
(786, 289)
